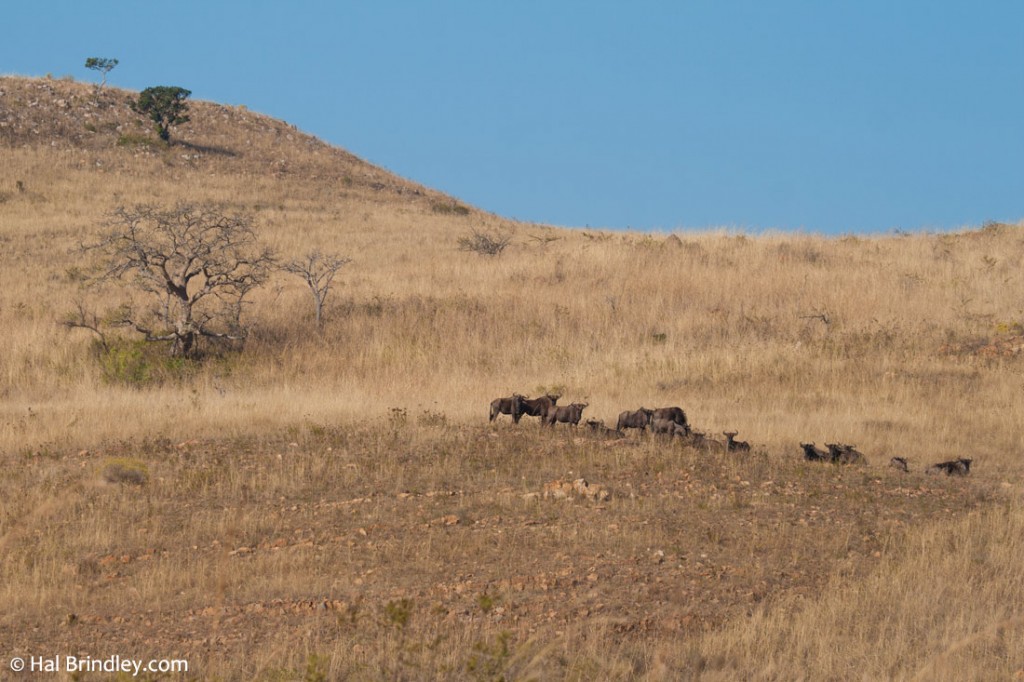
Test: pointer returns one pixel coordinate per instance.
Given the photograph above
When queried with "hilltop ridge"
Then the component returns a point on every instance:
(73, 117)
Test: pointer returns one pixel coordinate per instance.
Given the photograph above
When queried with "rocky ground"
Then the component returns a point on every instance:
(338, 547)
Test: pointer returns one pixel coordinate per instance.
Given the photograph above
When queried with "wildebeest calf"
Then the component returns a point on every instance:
(812, 453)
(733, 445)
(599, 429)
(634, 420)
(569, 414)
(512, 405)
(673, 414)
(899, 463)
(667, 427)
(954, 467)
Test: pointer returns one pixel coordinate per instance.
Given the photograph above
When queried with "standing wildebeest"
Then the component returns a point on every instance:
(539, 407)
(569, 414)
(844, 454)
(512, 405)
(635, 420)
(673, 414)
(733, 445)
(954, 467)
(813, 453)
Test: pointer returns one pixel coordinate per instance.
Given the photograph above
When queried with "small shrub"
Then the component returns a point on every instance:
(484, 244)
(137, 363)
(399, 612)
(125, 470)
(135, 140)
(431, 418)
(453, 208)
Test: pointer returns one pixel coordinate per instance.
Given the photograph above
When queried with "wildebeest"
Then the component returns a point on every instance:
(599, 428)
(569, 414)
(844, 454)
(899, 463)
(674, 414)
(954, 467)
(634, 420)
(812, 453)
(539, 407)
(512, 405)
(733, 445)
(667, 427)
(700, 441)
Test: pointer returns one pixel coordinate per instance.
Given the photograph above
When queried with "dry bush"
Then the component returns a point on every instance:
(484, 243)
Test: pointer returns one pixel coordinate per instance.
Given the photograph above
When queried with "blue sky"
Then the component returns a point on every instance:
(822, 116)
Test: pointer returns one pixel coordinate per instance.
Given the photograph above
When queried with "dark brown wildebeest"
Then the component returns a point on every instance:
(539, 407)
(899, 463)
(813, 453)
(673, 414)
(568, 414)
(840, 453)
(598, 428)
(667, 427)
(699, 441)
(634, 420)
(512, 405)
(733, 445)
(954, 467)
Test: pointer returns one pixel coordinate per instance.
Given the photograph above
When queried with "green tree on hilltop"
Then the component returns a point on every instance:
(165, 105)
(102, 64)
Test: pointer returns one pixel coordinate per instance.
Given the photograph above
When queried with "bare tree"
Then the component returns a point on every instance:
(317, 270)
(83, 318)
(195, 265)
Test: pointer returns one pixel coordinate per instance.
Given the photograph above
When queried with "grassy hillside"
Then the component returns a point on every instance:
(353, 466)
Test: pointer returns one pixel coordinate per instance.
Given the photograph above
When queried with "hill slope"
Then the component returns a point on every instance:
(219, 140)
(300, 498)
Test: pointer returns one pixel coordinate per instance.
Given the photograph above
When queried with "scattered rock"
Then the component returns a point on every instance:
(562, 490)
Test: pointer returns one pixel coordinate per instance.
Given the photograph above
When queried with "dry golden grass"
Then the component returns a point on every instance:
(903, 345)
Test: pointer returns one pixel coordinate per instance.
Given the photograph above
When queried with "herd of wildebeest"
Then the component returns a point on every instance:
(671, 423)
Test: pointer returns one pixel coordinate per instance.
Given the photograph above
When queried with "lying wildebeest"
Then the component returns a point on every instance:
(674, 414)
(733, 445)
(634, 420)
(899, 463)
(812, 453)
(539, 407)
(699, 441)
(954, 467)
(840, 453)
(569, 414)
(512, 405)
(599, 429)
